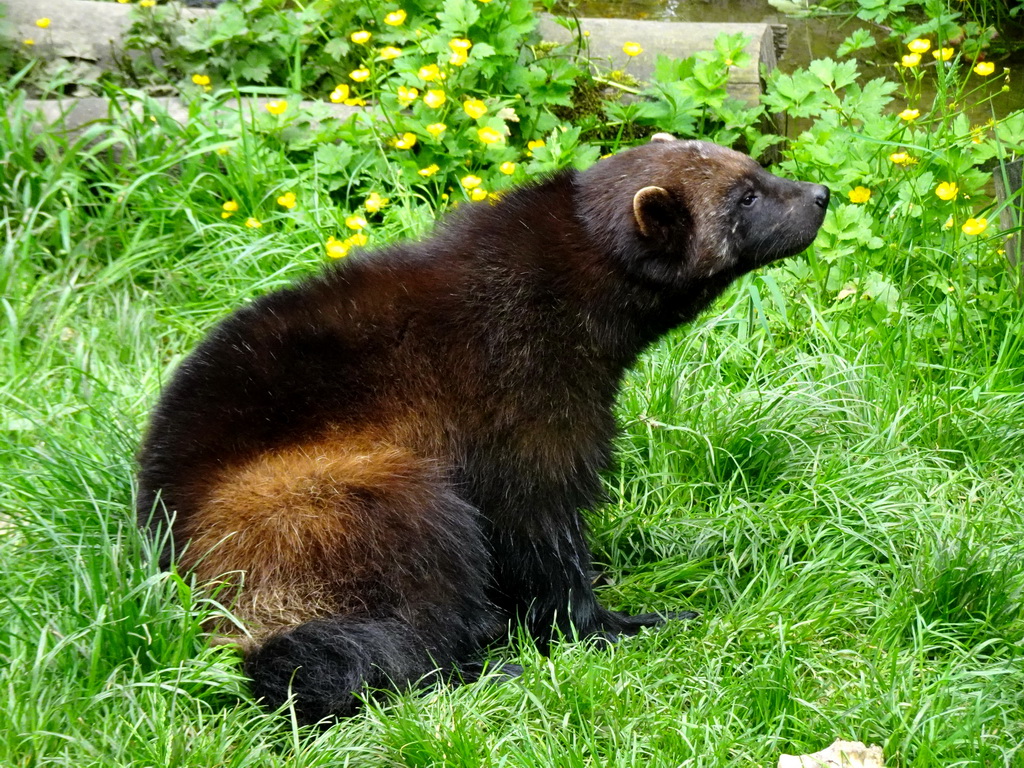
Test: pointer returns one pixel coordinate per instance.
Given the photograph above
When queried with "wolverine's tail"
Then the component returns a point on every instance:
(327, 665)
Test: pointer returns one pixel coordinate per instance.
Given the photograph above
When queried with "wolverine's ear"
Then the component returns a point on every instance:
(652, 209)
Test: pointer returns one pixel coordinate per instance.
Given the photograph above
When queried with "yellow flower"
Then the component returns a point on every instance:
(471, 181)
(287, 200)
(632, 49)
(859, 195)
(356, 240)
(407, 96)
(405, 141)
(340, 93)
(435, 98)
(919, 45)
(429, 72)
(984, 68)
(360, 37)
(458, 59)
(395, 18)
(147, 3)
(478, 194)
(910, 114)
(947, 190)
(902, 158)
(43, 23)
(374, 202)
(436, 129)
(276, 106)
(460, 44)
(430, 170)
(489, 135)
(335, 248)
(911, 60)
(474, 108)
(943, 54)
(977, 134)
(948, 224)
(28, 41)
(508, 167)
(228, 208)
(975, 226)
(532, 145)
(359, 75)
(389, 52)
(356, 222)
(201, 79)
(252, 223)
(485, 1)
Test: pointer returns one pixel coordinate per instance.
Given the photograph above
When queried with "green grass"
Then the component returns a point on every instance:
(839, 498)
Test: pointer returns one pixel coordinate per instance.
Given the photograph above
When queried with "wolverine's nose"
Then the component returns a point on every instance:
(820, 195)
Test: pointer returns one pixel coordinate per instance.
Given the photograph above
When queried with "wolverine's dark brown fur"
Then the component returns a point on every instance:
(388, 461)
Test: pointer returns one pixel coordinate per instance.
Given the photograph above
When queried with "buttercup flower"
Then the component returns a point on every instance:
(975, 226)
(478, 194)
(356, 240)
(471, 181)
(902, 158)
(430, 170)
(374, 202)
(436, 129)
(943, 54)
(947, 190)
(911, 60)
(340, 93)
(389, 52)
(474, 108)
(429, 72)
(984, 68)
(28, 41)
(535, 144)
(948, 224)
(252, 223)
(434, 98)
(407, 96)
(458, 59)
(147, 3)
(360, 37)
(201, 79)
(287, 200)
(508, 167)
(335, 248)
(276, 106)
(489, 135)
(359, 75)
(632, 49)
(460, 44)
(355, 222)
(229, 207)
(405, 141)
(43, 23)
(920, 45)
(395, 18)
(910, 114)
(859, 195)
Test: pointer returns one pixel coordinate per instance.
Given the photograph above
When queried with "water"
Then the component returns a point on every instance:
(809, 39)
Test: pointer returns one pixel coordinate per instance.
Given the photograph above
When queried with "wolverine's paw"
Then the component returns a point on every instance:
(472, 671)
(618, 624)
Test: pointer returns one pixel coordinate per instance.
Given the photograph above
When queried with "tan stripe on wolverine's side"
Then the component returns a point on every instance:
(304, 532)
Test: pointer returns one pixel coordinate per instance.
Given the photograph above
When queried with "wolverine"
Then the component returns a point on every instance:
(387, 464)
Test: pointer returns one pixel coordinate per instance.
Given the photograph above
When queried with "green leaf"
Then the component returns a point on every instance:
(457, 16)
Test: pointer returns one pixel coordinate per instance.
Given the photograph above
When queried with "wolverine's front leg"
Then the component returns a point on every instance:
(542, 577)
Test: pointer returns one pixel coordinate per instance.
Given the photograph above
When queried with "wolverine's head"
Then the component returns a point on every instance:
(683, 211)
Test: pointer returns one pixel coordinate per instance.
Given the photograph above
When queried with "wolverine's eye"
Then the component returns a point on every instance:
(748, 200)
